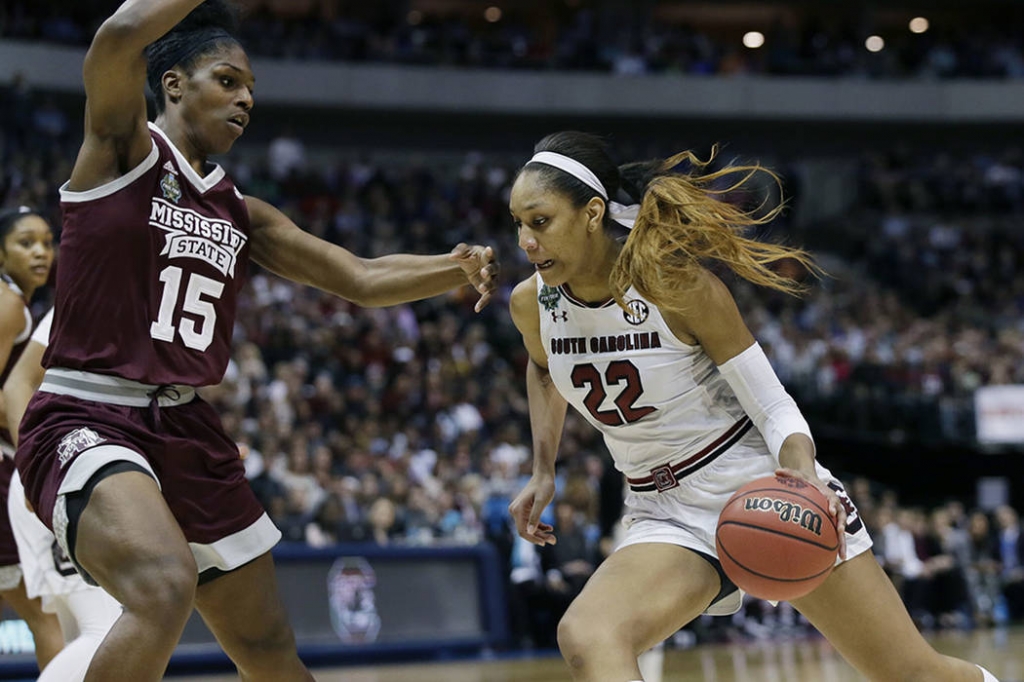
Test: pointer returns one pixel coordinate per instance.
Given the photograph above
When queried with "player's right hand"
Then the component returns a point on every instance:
(527, 507)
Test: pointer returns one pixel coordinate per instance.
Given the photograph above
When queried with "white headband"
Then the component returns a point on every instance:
(620, 213)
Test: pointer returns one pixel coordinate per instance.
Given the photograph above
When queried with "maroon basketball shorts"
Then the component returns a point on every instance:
(80, 423)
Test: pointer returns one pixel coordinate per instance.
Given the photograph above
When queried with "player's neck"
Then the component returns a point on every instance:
(178, 134)
(591, 284)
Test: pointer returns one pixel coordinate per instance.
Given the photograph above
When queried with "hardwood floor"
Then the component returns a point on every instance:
(809, 660)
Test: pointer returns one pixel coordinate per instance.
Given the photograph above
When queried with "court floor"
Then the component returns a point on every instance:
(806, 660)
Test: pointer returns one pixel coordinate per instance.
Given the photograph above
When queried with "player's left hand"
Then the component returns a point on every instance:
(480, 268)
(835, 507)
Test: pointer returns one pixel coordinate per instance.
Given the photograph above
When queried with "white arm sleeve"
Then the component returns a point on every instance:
(41, 335)
(764, 398)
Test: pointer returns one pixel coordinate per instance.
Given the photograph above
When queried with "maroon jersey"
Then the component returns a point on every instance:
(150, 268)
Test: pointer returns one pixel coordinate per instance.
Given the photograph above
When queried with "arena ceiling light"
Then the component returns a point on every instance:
(918, 25)
(753, 39)
(874, 44)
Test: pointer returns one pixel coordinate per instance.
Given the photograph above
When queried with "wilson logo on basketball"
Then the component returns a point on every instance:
(807, 519)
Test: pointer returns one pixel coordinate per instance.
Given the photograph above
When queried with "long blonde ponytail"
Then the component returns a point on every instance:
(686, 221)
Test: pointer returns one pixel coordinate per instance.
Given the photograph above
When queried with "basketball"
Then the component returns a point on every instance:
(776, 539)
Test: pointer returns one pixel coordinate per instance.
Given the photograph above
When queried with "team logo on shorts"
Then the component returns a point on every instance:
(354, 616)
(75, 442)
(636, 311)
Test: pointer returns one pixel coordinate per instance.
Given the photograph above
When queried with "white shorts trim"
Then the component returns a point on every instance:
(92, 460)
(10, 576)
(239, 548)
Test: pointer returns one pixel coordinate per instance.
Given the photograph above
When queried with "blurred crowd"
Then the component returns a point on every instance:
(409, 425)
(956, 568)
(613, 37)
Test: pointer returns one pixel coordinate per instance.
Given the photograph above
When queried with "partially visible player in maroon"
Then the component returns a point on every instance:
(131, 470)
(26, 254)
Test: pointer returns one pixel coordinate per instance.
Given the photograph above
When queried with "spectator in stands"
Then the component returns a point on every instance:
(1011, 555)
(286, 155)
(570, 562)
(943, 549)
(383, 520)
(983, 570)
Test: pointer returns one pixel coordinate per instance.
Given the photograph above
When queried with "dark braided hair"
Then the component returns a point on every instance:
(207, 29)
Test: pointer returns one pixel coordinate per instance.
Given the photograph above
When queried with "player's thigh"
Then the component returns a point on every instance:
(861, 614)
(243, 608)
(645, 593)
(129, 542)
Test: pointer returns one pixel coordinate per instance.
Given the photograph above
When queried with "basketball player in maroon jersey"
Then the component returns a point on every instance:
(26, 254)
(131, 470)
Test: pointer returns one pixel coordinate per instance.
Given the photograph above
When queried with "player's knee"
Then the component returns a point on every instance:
(574, 639)
(164, 584)
(268, 646)
(582, 637)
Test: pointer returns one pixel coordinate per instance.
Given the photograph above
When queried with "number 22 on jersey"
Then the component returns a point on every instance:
(620, 371)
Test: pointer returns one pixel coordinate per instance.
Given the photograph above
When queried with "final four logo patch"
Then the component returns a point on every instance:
(549, 297)
(170, 188)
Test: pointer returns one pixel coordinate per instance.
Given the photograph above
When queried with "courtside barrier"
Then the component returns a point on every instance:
(354, 603)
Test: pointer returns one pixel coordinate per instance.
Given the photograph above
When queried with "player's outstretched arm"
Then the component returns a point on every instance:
(12, 323)
(547, 417)
(283, 248)
(22, 382)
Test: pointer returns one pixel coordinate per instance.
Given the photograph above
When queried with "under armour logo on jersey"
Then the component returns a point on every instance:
(636, 311)
(555, 315)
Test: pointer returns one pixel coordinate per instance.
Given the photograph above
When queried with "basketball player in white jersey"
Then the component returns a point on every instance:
(86, 613)
(648, 345)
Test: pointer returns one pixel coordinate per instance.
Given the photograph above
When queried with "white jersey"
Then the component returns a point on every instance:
(47, 572)
(41, 335)
(656, 399)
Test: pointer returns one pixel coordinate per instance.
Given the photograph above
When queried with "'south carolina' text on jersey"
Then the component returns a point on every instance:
(615, 343)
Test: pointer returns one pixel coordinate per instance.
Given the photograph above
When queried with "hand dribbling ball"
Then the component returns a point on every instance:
(776, 538)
